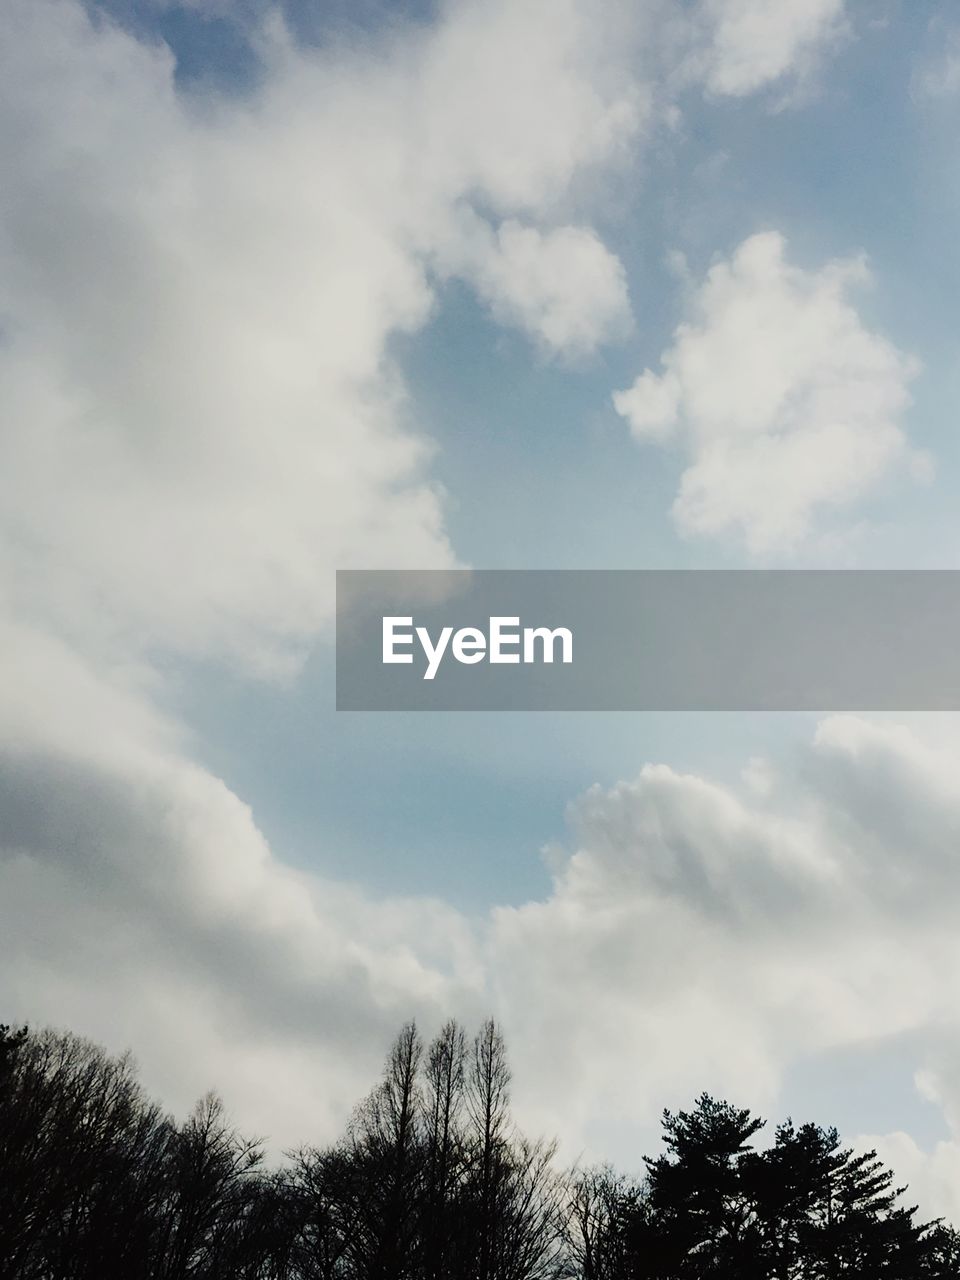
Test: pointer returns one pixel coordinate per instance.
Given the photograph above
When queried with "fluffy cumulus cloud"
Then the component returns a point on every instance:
(197, 300)
(140, 904)
(562, 286)
(785, 403)
(699, 932)
(751, 44)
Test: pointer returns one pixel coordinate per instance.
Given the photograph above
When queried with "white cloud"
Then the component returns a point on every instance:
(200, 416)
(516, 98)
(562, 286)
(696, 936)
(787, 406)
(140, 904)
(752, 43)
(931, 1177)
(700, 936)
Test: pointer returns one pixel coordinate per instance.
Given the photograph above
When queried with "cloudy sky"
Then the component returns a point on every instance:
(505, 283)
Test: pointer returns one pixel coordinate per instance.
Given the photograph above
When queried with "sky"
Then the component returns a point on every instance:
(525, 284)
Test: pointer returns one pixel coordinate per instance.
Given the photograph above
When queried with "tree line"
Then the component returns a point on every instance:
(432, 1180)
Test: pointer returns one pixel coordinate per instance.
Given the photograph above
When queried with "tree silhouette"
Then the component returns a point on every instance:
(443, 1106)
(432, 1180)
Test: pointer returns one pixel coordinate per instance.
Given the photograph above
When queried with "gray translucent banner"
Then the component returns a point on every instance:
(648, 640)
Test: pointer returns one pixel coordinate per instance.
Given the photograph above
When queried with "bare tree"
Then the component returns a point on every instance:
(210, 1194)
(598, 1202)
(488, 1101)
(443, 1101)
(380, 1167)
(82, 1153)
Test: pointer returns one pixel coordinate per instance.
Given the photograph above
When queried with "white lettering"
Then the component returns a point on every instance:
(469, 645)
(549, 638)
(498, 638)
(434, 652)
(391, 640)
